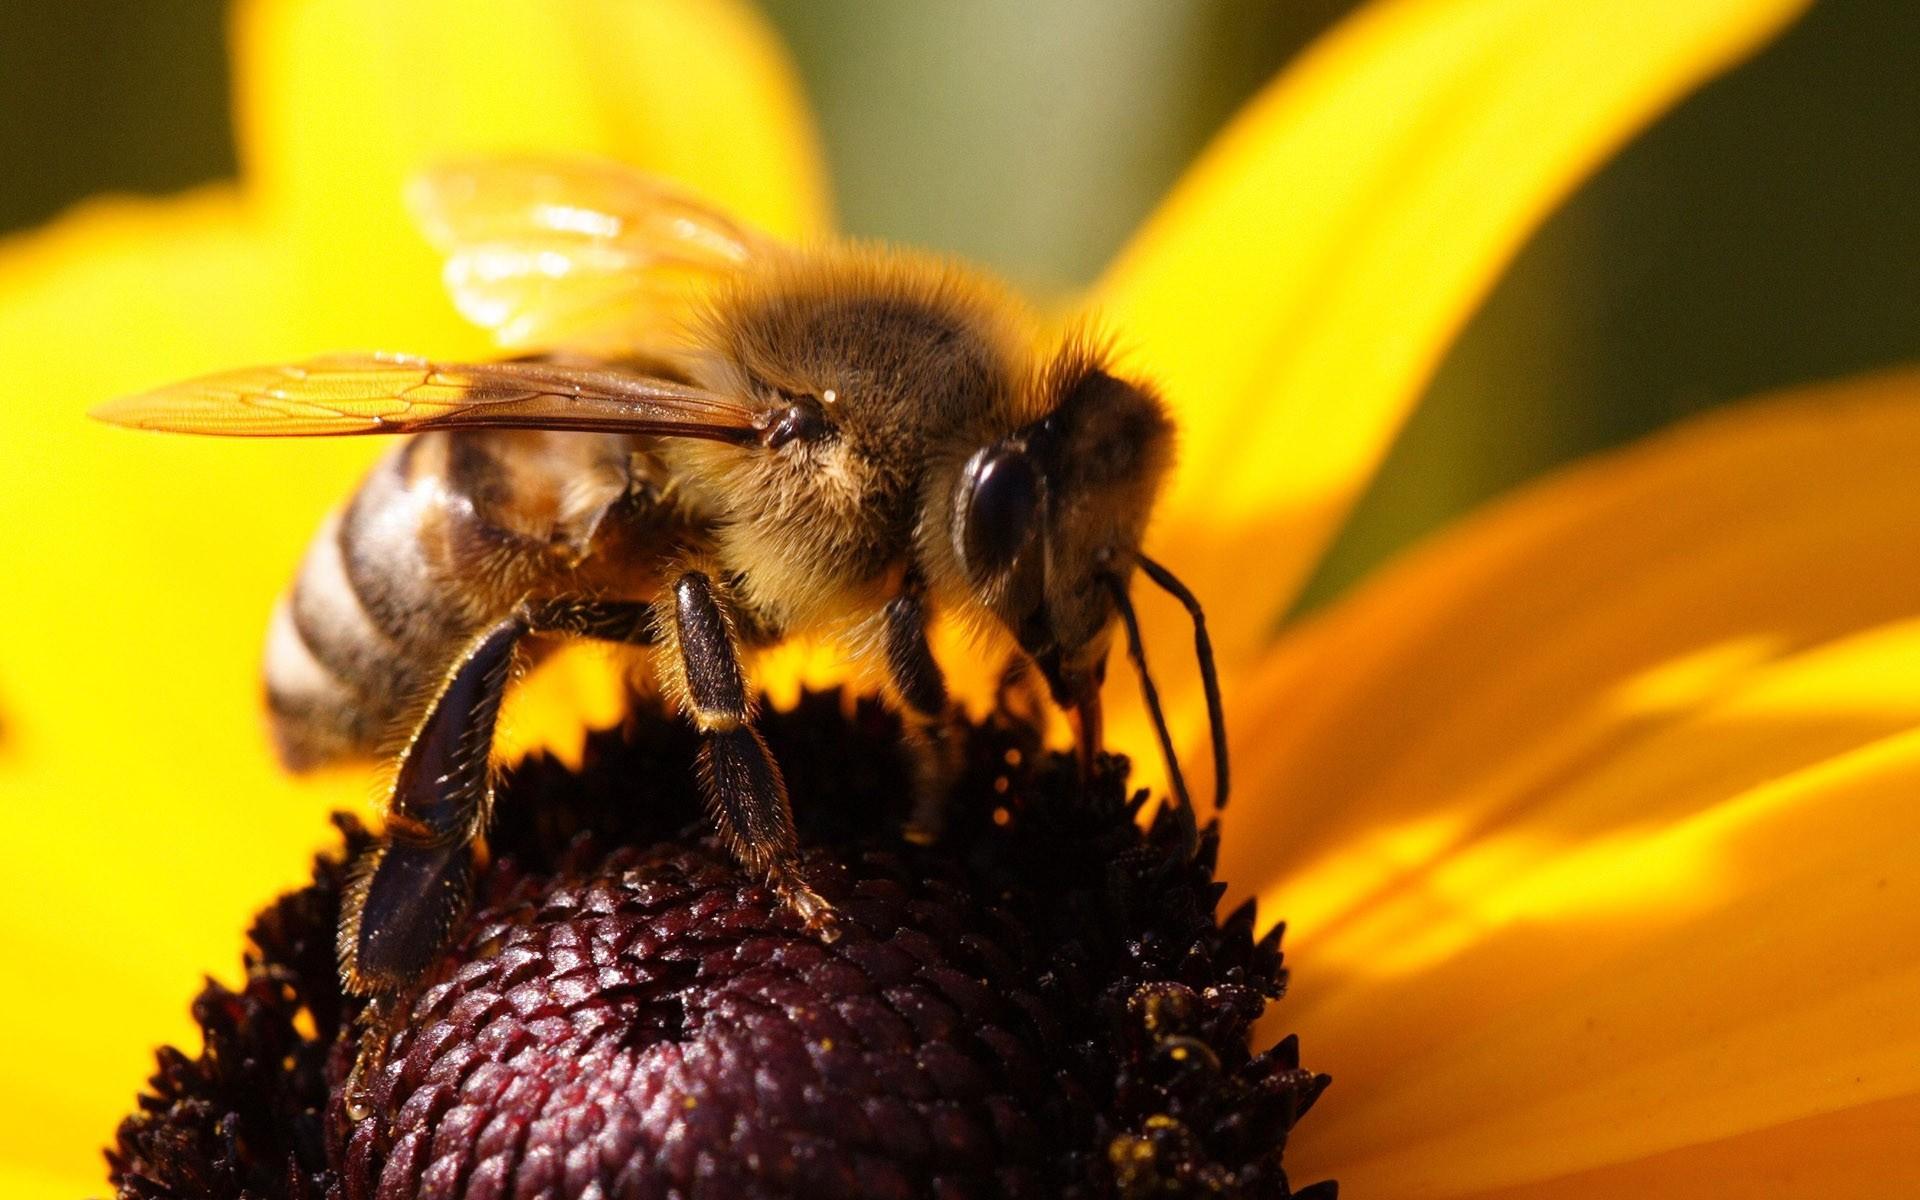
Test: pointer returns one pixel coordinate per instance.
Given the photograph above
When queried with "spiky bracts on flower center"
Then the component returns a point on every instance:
(1041, 1004)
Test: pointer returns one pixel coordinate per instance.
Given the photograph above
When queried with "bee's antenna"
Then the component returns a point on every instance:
(1209, 674)
(1138, 653)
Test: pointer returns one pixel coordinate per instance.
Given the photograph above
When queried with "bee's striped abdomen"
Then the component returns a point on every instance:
(365, 628)
(444, 537)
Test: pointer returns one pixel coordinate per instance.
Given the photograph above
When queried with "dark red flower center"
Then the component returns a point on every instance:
(1041, 1004)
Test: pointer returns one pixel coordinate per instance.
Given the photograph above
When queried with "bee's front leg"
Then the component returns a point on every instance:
(922, 689)
(743, 784)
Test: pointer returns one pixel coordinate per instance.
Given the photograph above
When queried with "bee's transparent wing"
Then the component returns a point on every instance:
(382, 393)
(581, 253)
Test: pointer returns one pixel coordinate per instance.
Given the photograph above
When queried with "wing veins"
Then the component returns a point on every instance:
(344, 395)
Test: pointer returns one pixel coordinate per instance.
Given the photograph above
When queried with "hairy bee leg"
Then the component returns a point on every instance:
(413, 887)
(410, 891)
(377, 1024)
(922, 689)
(743, 783)
(627, 622)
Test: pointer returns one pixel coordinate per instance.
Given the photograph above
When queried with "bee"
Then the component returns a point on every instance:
(713, 441)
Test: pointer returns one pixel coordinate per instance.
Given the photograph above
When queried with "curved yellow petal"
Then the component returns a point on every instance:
(1866, 1151)
(1591, 821)
(145, 820)
(1295, 292)
(1700, 979)
(339, 103)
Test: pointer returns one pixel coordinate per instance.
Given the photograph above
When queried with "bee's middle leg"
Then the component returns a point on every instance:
(743, 783)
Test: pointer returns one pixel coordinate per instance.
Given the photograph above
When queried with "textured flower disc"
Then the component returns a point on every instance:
(1040, 1004)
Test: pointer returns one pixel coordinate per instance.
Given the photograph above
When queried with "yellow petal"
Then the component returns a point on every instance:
(339, 103)
(1295, 292)
(1865, 1151)
(25, 1183)
(1590, 821)
(1747, 968)
(145, 821)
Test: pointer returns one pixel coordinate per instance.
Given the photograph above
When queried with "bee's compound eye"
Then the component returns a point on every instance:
(800, 421)
(1001, 494)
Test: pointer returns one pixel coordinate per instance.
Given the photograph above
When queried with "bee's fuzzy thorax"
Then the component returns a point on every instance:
(914, 361)
(1042, 1003)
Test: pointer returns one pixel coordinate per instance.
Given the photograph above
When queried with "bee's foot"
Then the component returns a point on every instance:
(370, 1057)
(810, 906)
(920, 833)
(928, 818)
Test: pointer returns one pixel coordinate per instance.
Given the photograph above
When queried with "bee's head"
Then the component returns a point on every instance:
(1044, 518)
(1044, 525)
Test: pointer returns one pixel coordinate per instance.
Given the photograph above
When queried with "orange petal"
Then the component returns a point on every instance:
(1298, 288)
(1865, 1151)
(1746, 968)
(1591, 820)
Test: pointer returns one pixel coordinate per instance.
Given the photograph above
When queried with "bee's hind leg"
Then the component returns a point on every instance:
(409, 893)
(627, 622)
(744, 786)
(413, 887)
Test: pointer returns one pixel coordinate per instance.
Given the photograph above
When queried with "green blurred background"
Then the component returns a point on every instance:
(1765, 233)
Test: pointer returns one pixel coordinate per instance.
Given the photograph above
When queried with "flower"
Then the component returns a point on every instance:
(1041, 1004)
(1588, 817)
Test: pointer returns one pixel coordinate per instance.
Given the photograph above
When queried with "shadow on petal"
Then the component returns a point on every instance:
(1592, 821)
(1859, 1151)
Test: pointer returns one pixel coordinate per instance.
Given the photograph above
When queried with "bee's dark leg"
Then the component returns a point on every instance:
(922, 689)
(629, 622)
(410, 892)
(413, 887)
(742, 782)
